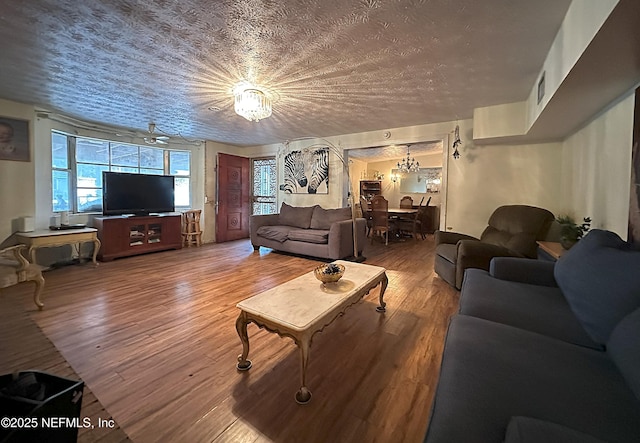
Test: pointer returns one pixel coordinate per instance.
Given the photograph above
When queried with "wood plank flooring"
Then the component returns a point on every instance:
(154, 339)
(23, 346)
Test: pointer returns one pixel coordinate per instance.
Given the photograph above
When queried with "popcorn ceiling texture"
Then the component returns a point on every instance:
(334, 66)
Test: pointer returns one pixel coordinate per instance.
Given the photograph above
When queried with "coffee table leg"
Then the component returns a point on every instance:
(303, 396)
(383, 287)
(241, 326)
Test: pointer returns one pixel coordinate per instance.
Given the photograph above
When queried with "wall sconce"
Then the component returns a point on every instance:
(394, 178)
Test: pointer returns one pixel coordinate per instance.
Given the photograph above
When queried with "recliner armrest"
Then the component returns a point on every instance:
(523, 270)
(451, 237)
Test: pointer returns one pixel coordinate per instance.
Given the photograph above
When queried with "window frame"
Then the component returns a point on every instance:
(72, 168)
(275, 179)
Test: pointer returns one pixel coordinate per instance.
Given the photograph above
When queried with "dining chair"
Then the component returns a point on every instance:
(380, 223)
(406, 202)
(416, 225)
(366, 213)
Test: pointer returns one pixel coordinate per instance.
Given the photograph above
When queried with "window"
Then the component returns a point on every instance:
(77, 164)
(264, 186)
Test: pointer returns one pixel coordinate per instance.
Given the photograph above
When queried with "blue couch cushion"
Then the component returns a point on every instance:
(491, 372)
(540, 309)
(624, 349)
(531, 430)
(600, 278)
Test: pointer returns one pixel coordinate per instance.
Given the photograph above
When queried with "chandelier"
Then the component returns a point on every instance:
(251, 103)
(409, 164)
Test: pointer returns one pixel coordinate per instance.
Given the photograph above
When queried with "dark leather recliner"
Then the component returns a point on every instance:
(512, 232)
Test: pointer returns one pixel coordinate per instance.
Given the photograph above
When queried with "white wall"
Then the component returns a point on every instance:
(488, 176)
(17, 184)
(596, 170)
(583, 20)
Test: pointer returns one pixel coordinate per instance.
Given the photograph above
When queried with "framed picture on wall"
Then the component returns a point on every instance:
(306, 172)
(14, 139)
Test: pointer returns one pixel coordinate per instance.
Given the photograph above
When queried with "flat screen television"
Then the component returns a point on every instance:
(138, 194)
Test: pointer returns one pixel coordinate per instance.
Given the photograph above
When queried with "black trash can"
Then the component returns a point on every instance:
(39, 407)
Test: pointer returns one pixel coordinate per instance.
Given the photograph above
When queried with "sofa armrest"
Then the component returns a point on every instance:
(256, 221)
(523, 270)
(532, 430)
(451, 237)
(341, 238)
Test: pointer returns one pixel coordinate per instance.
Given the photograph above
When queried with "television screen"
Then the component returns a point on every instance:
(138, 194)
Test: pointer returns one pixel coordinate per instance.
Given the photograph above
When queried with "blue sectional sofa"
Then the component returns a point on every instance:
(545, 351)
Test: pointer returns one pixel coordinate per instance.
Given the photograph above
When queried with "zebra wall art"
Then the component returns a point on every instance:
(306, 172)
(294, 177)
(319, 170)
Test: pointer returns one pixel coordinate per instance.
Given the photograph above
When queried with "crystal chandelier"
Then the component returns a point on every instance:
(251, 103)
(409, 164)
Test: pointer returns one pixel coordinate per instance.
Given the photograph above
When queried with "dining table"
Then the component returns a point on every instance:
(399, 212)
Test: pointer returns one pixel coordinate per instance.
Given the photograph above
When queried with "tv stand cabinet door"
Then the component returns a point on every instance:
(125, 236)
(113, 233)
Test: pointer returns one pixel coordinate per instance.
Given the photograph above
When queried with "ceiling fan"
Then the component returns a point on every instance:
(153, 138)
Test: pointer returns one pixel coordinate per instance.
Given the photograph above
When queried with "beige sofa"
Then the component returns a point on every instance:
(311, 231)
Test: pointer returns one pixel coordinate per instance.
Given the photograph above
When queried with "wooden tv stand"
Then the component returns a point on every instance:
(123, 236)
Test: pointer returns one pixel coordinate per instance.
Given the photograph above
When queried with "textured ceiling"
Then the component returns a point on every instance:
(334, 66)
(395, 152)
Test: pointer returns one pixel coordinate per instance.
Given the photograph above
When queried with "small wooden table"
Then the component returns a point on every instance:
(304, 306)
(554, 249)
(49, 238)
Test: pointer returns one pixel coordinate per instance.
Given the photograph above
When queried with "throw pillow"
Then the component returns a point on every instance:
(297, 216)
(324, 218)
(599, 278)
(277, 233)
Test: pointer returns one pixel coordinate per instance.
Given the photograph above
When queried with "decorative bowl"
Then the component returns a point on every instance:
(329, 273)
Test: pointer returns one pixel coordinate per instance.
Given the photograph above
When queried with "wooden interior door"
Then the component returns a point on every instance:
(233, 210)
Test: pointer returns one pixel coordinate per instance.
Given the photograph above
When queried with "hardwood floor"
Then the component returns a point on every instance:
(154, 339)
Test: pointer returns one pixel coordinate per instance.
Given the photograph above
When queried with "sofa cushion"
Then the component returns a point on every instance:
(522, 243)
(277, 233)
(624, 348)
(491, 372)
(531, 430)
(324, 218)
(297, 216)
(319, 236)
(540, 309)
(599, 278)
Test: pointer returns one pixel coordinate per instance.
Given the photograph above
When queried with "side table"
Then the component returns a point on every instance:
(550, 250)
(48, 238)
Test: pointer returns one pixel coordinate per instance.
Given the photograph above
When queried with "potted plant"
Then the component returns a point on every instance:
(570, 231)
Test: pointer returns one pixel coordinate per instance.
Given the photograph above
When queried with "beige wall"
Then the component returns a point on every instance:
(17, 183)
(488, 176)
(596, 170)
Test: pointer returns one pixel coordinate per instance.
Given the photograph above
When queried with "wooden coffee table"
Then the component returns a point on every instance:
(303, 306)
